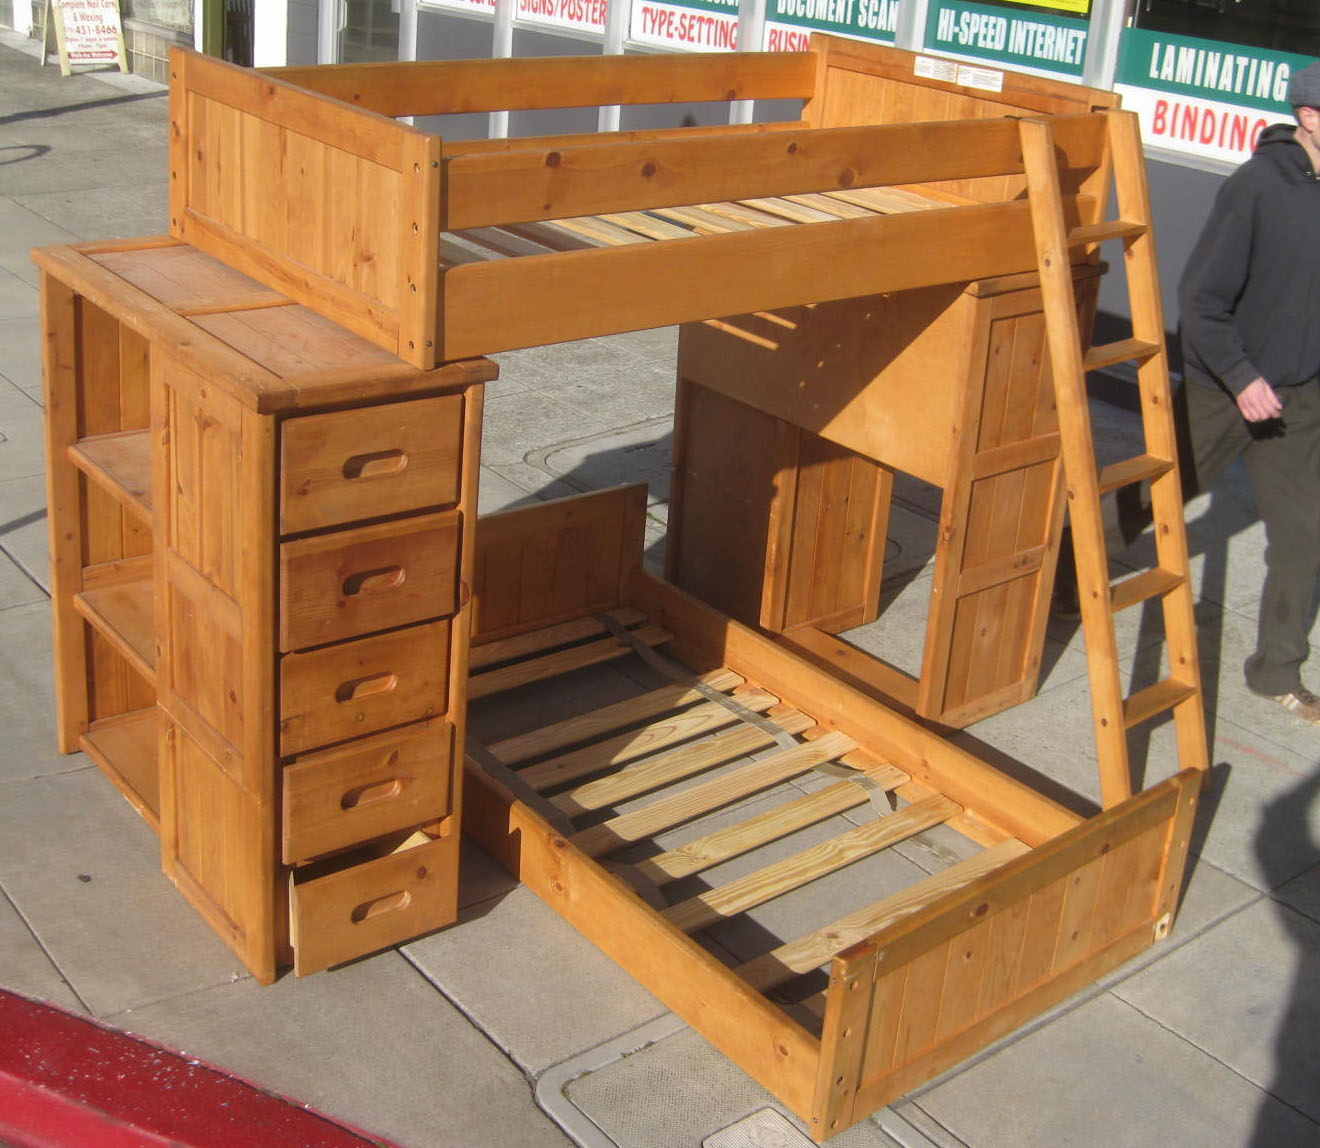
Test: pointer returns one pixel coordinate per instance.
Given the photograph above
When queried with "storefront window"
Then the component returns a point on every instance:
(1288, 25)
(176, 14)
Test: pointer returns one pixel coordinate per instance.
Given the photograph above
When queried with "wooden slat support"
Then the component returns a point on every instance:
(713, 848)
(818, 947)
(677, 764)
(673, 810)
(632, 744)
(560, 662)
(793, 872)
(597, 723)
(547, 638)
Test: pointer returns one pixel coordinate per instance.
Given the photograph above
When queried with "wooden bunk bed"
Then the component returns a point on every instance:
(415, 253)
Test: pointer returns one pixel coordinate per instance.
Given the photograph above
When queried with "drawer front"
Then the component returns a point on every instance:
(368, 788)
(352, 582)
(344, 466)
(370, 906)
(360, 687)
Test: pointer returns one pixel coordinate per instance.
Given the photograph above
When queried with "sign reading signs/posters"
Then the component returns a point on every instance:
(86, 32)
(1203, 98)
(789, 23)
(572, 15)
(1041, 41)
(686, 26)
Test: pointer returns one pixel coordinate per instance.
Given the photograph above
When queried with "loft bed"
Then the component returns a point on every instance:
(306, 179)
(431, 251)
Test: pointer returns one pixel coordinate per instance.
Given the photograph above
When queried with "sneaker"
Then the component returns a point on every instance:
(1301, 703)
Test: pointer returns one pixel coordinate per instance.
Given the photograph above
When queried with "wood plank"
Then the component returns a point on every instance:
(768, 1045)
(561, 662)
(120, 463)
(753, 832)
(818, 947)
(691, 723)
(707, 638)
(705, 797)
(801, 868)
(124, 749)
(675, 765)
(601, 232)
(644, 223)
(584, 727)
(124, 613)
(421, 88)
(547, 638)
(588, 179)
(501, 306)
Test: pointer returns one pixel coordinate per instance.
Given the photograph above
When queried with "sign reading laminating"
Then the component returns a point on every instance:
(1203, 98)
(1044, 42)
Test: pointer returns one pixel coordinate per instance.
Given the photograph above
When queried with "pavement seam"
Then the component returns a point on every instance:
(54, 964)
(1222, 1063)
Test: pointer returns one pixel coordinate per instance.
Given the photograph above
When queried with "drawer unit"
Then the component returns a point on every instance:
(372, 904)
(346, 466)
(335, 799)
(352, 582)
(345, 691)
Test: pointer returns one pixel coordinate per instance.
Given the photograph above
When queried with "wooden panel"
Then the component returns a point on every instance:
(359, 687)
(588, 179)
(375, 904)
(124, 749)
(440, 88)
(340, 585)
(212, 849)
(889, 390)
(520, 303)
(542, 564)
(367, 788)
(346, 465)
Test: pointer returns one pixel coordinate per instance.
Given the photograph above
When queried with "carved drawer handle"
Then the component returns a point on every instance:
(389, 903)
(374, 581)
(369, 794)
(375, 464)
(360, 688)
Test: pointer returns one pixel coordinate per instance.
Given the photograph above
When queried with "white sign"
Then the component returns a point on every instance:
(86, 32)
(1194, 126)
(684, 28)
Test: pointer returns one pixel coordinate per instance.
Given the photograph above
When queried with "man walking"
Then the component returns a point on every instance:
(1250, 302)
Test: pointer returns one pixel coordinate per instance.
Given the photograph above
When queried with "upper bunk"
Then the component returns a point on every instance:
(311, 181)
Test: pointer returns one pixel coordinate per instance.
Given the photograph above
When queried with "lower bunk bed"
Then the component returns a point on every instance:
(732, 826)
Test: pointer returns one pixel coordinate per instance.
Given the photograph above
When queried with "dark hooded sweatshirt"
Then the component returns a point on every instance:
(1250, 295)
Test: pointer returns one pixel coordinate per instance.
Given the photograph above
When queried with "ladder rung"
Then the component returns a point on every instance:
(1143, 587)
(1122, 351)
(1156, 699)
(1139, 468)
(1110, 229)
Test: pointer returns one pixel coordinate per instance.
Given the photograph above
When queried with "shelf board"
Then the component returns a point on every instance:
(123, 612)
(120, 464)
(124, 748)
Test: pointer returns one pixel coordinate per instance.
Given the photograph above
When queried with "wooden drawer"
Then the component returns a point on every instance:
(336, 586)
(346, 913)
(369, 788)
(357, 688)
(367, 463)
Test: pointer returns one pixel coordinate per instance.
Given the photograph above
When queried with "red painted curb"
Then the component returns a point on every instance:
(68, 1082)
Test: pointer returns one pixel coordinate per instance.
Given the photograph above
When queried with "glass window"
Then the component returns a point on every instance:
(1290, 25)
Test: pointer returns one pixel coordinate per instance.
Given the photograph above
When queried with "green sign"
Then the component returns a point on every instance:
(867, 19)
(1009, 36)
(1207, 69)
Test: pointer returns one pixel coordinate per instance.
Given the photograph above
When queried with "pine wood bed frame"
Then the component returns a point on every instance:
(301, 178)
(435, 252)
(918, 980)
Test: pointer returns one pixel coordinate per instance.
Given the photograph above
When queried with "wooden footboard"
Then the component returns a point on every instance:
(662, 823)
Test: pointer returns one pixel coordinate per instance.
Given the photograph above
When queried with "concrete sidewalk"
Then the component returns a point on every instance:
(509, 1029)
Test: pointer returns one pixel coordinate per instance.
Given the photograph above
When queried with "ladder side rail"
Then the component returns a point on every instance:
(1076, 446)
(1157, 414)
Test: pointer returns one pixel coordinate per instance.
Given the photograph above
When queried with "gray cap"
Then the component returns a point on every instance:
(1304, 87)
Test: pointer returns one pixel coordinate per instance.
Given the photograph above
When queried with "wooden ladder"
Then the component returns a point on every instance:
(1168, 580)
